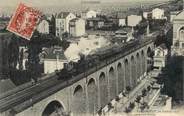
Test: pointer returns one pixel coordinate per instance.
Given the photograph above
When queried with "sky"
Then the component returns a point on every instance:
(14, 3)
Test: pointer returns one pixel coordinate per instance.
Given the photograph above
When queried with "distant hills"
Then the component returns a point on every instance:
(77, 7)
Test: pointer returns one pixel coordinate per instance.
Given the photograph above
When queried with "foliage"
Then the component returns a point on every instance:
(138, 99)
(144, 92)
(128, 88)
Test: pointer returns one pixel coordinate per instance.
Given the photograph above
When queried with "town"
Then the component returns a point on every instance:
(95, 62)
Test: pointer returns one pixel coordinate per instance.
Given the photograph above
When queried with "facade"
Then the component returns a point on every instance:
(121, 35)
(178, 34)
(53, 59)
(122, 22)
(147, 14)
(95, 23)
(160, 56)
(62, 22)
(177, 52)
(51, 65)
(158, 13)
(43, 27)
(173, 15)
(88, 14)
(77, 27)
(133, 20)
(122, 16)
(21, 65)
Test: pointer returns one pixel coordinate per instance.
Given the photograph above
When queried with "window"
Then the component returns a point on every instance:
(181, 33)
(176, 44)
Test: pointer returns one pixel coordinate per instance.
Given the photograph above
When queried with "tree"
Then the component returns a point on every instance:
(128, 88)
(138, 99)
(144, 92)
(21, 59)
(34, 49)
(53, 25)
(117, 98)
(13, 52)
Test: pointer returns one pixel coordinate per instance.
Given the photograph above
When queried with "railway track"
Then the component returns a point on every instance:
(9, 100)
(44, 88)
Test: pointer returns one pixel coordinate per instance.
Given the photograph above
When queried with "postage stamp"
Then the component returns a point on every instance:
(24, 21)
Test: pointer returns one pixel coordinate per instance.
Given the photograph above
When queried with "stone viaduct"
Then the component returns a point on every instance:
(86, 96)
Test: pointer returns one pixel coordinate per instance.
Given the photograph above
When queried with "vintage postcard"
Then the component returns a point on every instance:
(91, 57)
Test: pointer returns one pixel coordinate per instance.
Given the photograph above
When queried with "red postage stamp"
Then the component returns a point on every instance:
(24, 21)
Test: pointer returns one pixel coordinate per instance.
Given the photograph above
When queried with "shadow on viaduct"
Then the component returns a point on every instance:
(89, 94)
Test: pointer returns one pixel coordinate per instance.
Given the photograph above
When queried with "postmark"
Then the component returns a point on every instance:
(24, 21)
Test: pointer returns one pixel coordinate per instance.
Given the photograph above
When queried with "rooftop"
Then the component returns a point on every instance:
(175, 12)
(163, 46)
(63, 14)
(180, 16)
(96, 19)
(75, 19)
(53, 53)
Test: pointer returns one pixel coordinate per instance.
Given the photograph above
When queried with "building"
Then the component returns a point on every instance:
(62, 22)
(77, 27)
(43, 27)
(173, 15)
(133, 20)
(178, 34)
(121, 35)
(160, 56)
(122, 18)
(158, 13)
(147, 14)
(122, 22)
(177, 52)
(88, 14)
(23, 58)
(53, 59)
(95, 23)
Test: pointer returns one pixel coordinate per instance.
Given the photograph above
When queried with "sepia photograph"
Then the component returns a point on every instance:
(91, 57)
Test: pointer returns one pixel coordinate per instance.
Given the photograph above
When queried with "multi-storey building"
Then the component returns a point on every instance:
(77, 27)
(88, 14)
(53, 59)
(133, 20)
(160, 56)
(62, 22)
(177, 52)
(178, 34)
(157, 13)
